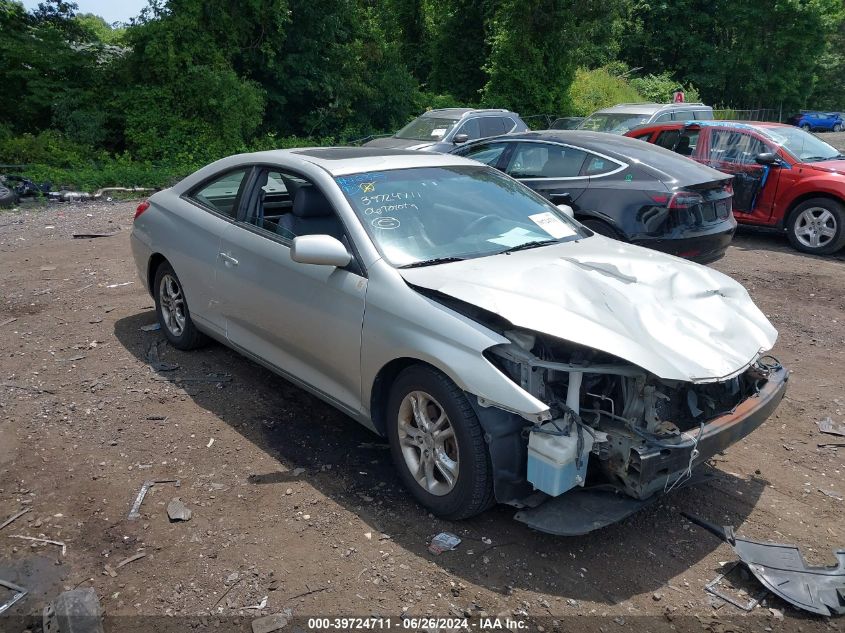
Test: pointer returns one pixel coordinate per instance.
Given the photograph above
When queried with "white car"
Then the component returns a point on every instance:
(506, 352)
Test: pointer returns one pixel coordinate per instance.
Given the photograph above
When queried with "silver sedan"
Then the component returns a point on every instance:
(507, 353)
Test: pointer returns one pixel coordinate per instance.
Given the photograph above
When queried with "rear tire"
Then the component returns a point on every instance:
(172, 310)
(437, 444)
(8, 198)
(603, 228)
(805, 127)
(817, 226)
(837, 127)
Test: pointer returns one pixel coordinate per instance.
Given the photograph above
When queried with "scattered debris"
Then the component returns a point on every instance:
(831, 493)
(259, 606)
(13, 385)
(270, 623)
(781, 569)
(14, 517)
(712, 588)
(9, 320)
(88, 236)
(158, 418)
(443, 542)
(125, 283)
(42, 540)
(151, 327)
(210, 442)
(178, 511)
(833, 445)
(75, 611)
(45, 269)
(155, 362)
(18, 594)
(135, 513)
(214, 378)
(296, 472)
(830, 427)
(130, 559)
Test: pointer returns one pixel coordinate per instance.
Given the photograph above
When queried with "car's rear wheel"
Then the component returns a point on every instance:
(437, 444)
(603, 228)
(805, 127)
(8, 198)
(837, 127)
(817, 226)
(172, 310)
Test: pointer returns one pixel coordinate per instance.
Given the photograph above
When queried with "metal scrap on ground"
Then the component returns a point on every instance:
(443, 542)
(18, 594)
(135, 512)
(41, 540)
(14, 517)
(830, 427)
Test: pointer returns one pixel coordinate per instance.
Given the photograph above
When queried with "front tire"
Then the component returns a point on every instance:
(172, 310)
(837, 127)
(805, 127)
(437, 444)
(817, 226)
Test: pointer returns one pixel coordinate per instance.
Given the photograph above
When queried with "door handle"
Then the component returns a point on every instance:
(228, 260)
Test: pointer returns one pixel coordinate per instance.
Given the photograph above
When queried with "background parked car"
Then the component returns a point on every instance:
(812, 121)
(441, 130)
(621, 188)
(566, 123)
(783, 176)
(624, 116)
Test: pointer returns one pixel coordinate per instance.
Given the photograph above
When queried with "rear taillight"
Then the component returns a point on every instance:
(141, 208)
(684, 200)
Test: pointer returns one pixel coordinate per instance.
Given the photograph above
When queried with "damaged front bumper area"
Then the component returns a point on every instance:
(615, 427)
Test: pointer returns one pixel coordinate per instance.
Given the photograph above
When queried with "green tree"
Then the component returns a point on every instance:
(595, 89)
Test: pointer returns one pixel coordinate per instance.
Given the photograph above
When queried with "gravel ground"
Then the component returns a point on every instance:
(293, 501)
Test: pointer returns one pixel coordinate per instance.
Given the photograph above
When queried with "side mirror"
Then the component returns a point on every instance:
(322, 250)
(460, 138)
(767, 158)
(567, 210)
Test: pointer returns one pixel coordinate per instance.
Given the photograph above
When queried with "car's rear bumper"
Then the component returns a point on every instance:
(653, 469)
(699, 246)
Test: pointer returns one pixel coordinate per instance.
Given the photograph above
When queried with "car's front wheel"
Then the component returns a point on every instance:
(437, 444)
(805, 127)
(172, 310)
(817, 226)
(837, 127)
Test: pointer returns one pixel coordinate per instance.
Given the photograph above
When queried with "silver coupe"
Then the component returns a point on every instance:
(507, 353)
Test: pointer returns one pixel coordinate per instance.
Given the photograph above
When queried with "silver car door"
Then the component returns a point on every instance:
(199, 220)
(302, 319)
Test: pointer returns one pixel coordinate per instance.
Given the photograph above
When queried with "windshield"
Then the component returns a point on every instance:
(804, 146)
(426, 128)
(418, 215)
(615, 123)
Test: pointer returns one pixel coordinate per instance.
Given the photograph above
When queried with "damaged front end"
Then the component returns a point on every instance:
(616, 427)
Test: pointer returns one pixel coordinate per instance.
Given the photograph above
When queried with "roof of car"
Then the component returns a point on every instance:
(612, 142)
(460, 112)
(648, 108)
(669, 125)
(339, 161)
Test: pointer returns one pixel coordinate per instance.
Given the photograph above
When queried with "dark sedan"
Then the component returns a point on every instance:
(620, 188)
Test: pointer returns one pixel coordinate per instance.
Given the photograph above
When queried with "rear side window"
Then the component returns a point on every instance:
(222, 193)
(684, 115)
(597, 166)
(687, 143)
(668, 138)
(539, 160)
(704, 115)
(487, 153)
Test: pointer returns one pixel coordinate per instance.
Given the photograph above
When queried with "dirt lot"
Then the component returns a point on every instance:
(293, 501)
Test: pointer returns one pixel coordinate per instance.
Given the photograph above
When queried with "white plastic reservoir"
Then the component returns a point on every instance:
(552, 459)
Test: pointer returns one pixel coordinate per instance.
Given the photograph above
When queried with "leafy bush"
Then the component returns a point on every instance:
(660, 88)
(595, 89)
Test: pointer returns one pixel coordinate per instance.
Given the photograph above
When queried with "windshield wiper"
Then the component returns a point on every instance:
(813, 159)
(432, 262)
(527, 245)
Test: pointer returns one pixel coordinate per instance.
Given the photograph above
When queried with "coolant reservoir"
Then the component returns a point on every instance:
(552, 460)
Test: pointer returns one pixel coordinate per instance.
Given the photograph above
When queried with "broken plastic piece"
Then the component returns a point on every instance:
(135, 512)
(828, 426)
(443, 542)
(18, 594)
(75, 611)
(781, 569)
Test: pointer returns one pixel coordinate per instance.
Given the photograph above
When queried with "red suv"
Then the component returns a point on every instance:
(783, 176)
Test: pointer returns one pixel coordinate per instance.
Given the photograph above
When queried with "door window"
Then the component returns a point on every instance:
(491, 126)
(730, 146)
(487, 153)
(222, 194)
(540, 160)
(470, 128)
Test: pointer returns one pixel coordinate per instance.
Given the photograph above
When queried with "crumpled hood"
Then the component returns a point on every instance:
(673, 318)
(391, 142)
(831, 166)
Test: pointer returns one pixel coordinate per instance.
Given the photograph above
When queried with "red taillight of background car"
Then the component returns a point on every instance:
(141, 208)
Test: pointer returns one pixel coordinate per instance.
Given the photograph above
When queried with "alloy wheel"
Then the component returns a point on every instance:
(815, 227)
(172, 301)
(428, 443)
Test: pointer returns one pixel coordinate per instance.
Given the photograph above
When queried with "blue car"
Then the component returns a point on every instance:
(824, 121)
